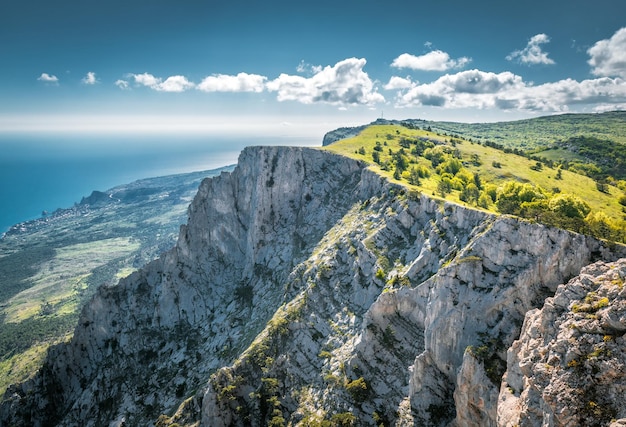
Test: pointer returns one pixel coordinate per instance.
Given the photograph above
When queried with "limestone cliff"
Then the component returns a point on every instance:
(306, 288)
(568, 367)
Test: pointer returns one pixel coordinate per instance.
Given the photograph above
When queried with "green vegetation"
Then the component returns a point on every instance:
(358, 389)
(487, 352)
(51, 266)
(492, 177)
(591, 304)
(540, 132)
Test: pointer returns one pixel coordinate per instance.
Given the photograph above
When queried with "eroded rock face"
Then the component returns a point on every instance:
(306, 288)
(143, 345)
(569, 365)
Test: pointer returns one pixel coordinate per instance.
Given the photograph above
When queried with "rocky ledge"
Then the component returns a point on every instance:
(569, 365)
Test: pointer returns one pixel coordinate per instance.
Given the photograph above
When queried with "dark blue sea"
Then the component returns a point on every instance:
(44, 172)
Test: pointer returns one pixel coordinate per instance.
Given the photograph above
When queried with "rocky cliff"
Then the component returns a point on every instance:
(568, 367)
(306, 289)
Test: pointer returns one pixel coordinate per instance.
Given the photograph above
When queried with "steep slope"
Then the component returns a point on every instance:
(305, 288)
(569, 365)
(142, 345)
(50, 267)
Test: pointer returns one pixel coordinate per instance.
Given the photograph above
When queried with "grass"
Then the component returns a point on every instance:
(541, 132)
(513, 167)
(60, 279)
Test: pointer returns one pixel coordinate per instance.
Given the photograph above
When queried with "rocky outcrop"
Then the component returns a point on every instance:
(306, 288)
(569, 365)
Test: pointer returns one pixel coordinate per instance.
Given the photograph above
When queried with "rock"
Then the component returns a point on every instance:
(303, 288)
(569, 365)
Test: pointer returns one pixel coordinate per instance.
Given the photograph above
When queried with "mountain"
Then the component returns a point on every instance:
(308, 289)
(51, 266)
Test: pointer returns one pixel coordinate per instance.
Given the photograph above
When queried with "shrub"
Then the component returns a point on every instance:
(357, 389)
(343, 419)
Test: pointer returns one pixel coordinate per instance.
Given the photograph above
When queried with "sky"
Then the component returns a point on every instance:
(290, 67)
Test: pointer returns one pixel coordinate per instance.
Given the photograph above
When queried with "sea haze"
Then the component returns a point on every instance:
(44, 172)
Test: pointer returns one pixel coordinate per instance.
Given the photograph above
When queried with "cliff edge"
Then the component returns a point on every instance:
(307, 289)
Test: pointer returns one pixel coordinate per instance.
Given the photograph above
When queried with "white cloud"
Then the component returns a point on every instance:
(171, 84)
(436, 60)
(175, 84)
(48, 78)
(306, 68)
(608, 57)
(343, 84)
(603, 108)
(146, 79)
(532, 53)
(122, 84)
(396, 82)
(90, 78)
(471, 88)
(242, 82)
(507, 91)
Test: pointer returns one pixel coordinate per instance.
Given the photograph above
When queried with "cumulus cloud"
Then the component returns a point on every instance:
(146, 79)
(436, 60)
(48, 78)
(608, 57)
(507, 91)
(242, 82)
(90, 78)
(343, 84)
(396, 82)
(175, 84)
(471, 88)
(532, 54)
(171, 84)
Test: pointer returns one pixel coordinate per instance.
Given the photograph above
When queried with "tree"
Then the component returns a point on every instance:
(477, 181)
(559, 174)
(414, 176)
(397, 173)
(470, 193)
(513, 194)
(400, 160)
(602, 187)
(444, 186)
(484, 200)
(451, 166)
(569, 205)
(376, 156)
(604, 227)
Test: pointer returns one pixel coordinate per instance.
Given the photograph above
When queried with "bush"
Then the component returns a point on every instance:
(343, 419)
(357, 389)
(569, 206)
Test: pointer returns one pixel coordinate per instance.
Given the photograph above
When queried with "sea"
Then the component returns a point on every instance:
(40, 173)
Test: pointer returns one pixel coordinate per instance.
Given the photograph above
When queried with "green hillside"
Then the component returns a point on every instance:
(538, 133)
(490, 178)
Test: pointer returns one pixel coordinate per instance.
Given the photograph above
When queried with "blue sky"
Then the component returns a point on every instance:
(303, 67)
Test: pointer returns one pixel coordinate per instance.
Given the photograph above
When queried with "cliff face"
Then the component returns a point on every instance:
(567, 368)
(307, 288)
